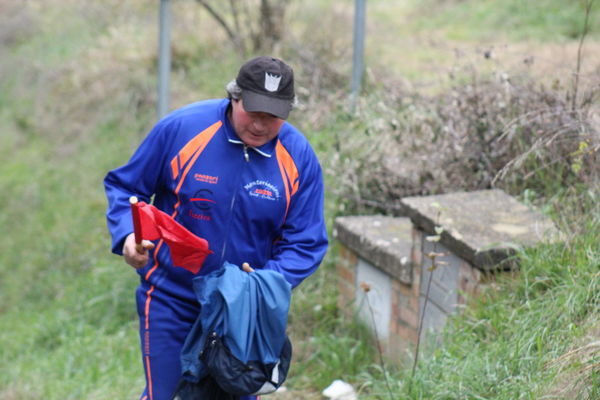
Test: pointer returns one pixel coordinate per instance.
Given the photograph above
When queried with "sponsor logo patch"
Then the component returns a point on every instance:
(206, 178)
(262, 190)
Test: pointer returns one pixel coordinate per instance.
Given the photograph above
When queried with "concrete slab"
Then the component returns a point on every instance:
(483, 227)
(384, 241)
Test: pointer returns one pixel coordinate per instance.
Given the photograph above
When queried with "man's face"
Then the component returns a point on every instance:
(254, 128)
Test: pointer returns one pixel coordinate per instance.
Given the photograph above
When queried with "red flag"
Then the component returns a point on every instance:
(187, 250)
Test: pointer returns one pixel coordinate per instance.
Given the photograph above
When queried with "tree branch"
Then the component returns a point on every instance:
(230, 33)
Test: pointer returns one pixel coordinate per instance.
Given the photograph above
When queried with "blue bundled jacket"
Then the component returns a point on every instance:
(240, 339)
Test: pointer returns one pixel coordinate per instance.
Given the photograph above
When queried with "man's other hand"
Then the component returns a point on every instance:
(135, 254)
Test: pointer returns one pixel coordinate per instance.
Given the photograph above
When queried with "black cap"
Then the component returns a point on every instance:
(267, 86)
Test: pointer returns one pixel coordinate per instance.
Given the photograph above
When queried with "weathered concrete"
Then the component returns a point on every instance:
(483, 227)
(394, 259)
(384, 241)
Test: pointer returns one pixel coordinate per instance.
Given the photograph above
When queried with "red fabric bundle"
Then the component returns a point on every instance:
(187, 250)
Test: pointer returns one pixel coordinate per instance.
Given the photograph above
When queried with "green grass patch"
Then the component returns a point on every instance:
(543, 20)
(505, 343)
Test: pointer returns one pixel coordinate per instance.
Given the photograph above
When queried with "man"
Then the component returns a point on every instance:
(233, 172)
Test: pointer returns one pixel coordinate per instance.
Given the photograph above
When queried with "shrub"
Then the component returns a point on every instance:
(499, 131)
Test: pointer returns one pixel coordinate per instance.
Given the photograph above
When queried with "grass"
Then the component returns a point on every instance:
(502, 346)
(513, 20)
(421, 41)
(76, 98)
(509, 342)
(328, 346)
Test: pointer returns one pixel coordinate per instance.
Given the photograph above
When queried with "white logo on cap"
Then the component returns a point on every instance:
(272, 82)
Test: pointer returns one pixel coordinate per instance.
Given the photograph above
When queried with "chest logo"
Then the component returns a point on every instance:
(203, 199)
(262, 190)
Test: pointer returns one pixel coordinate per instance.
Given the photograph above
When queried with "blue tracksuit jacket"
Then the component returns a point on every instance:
(259, 205)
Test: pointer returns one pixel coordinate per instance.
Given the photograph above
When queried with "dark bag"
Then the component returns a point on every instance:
(205, 389)
(230, 378)
(244, 379)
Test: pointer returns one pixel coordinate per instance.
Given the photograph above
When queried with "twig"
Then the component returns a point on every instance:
(221, 21)
(366, 288)
(593, 345)
(588, 9)
(415, 361)
(433, 255)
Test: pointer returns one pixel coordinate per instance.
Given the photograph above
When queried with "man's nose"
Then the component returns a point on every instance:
(259, 123)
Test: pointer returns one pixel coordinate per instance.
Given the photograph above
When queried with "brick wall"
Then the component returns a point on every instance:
(405, 298)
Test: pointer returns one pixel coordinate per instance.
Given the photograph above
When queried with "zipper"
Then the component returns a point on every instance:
(226, 238)
(232, 204)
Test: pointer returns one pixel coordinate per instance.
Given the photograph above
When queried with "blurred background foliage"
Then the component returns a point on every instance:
(457, 95)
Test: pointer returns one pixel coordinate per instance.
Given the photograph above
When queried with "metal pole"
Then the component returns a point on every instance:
(357, 57)
(164, 57)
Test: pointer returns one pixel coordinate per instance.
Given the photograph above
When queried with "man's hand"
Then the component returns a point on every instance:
(135, 254)
(246, 267)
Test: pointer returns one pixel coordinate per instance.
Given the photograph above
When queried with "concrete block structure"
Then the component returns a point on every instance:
(473, 235)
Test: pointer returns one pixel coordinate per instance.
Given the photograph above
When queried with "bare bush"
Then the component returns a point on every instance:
(493, 132)
(321, 60)
(252, 26)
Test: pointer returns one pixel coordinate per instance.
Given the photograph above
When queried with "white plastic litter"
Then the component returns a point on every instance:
(340, 390)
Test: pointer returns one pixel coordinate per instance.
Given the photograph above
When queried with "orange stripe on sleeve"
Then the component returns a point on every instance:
(175, 167)
(194, 146)
(286, 186)
(289, 173)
